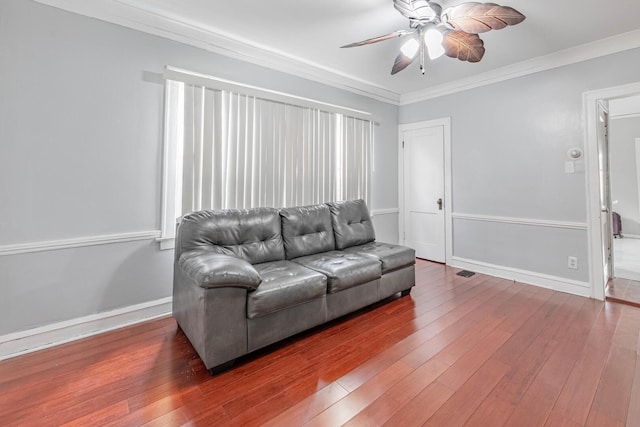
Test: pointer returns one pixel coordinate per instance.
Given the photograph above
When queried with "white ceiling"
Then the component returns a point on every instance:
(309, 33)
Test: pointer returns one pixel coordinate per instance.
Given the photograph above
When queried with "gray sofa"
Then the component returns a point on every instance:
(244, 279)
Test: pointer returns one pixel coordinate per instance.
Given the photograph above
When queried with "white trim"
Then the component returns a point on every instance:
(169, 178)
(624, 116)
(131, 15)
(522, 221)
(637, 147)
(18, 343)
(128, 13)
(448, 192)
(379, 212)
(523, 276)
(206, 80)
(448, 198)
(55, 245)
(585, 52)
(166, 243)
(590, 102)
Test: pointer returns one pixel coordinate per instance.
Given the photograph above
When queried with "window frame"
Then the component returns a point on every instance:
(172, 150)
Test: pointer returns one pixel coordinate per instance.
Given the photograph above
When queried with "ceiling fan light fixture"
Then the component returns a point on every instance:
(433, 39)
(410, 48)
(452, 32)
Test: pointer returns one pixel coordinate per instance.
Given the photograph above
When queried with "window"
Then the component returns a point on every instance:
(232, 146)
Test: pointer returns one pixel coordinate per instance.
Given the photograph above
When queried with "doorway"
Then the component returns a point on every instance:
(624, 148)
(601, 204)
(424, 158)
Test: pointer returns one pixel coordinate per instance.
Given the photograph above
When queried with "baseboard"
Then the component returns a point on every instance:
(19, 343)
(523, 276)
(630, 236)
(621, 273)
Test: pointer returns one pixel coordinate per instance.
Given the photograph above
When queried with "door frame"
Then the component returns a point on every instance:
(590, 101)
(448, 222)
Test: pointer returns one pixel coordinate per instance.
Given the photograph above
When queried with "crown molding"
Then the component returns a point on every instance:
(128, 13)
(585, 52)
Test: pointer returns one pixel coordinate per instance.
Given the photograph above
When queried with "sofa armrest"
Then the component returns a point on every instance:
(214, 270)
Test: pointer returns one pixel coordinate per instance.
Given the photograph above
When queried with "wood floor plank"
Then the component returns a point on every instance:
(388, 404)
(493, 411)
(526, 367)
(633, 415)
(576, 398)
(464, 401)
(478, 351)
(558, 420)
(100, 416)
(422, 338)
(613, 395)
(535, 406)
(484, 319)
(309, 407)
(419, 409)
(347, 407)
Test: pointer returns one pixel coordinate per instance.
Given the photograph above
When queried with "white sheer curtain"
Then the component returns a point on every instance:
(241, 151)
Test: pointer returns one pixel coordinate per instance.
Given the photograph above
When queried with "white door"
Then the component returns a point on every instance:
(423, 191)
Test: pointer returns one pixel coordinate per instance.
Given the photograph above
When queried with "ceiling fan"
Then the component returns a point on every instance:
(452, 31)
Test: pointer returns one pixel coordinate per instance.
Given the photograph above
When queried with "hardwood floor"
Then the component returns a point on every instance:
(476, 351)
(624, 291)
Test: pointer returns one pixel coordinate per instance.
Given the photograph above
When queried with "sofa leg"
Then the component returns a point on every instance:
(222, 367)
(405, 292)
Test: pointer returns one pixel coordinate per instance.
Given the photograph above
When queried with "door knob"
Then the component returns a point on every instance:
(439, 202)
(605, 209)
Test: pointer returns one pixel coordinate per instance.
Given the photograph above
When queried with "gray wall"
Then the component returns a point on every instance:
(509, 148)
(81, 106)
(624, 175)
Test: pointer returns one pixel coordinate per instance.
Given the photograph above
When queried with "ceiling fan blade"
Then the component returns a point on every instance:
(402, 61)
(464, 46)
(398, 33)
(478, 18)
(419, 10)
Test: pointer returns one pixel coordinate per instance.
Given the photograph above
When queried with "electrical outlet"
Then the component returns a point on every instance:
(572, 262)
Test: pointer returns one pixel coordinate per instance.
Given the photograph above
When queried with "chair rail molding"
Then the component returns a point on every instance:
(380, 212)
(77, 242)
(521, 221)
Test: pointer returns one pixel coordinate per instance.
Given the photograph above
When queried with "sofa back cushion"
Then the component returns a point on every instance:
(352, 224)
(307, 230)
(251, 234)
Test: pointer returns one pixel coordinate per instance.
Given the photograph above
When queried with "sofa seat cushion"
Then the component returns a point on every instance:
(391, 256)
(343, 270)
(284, 284)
